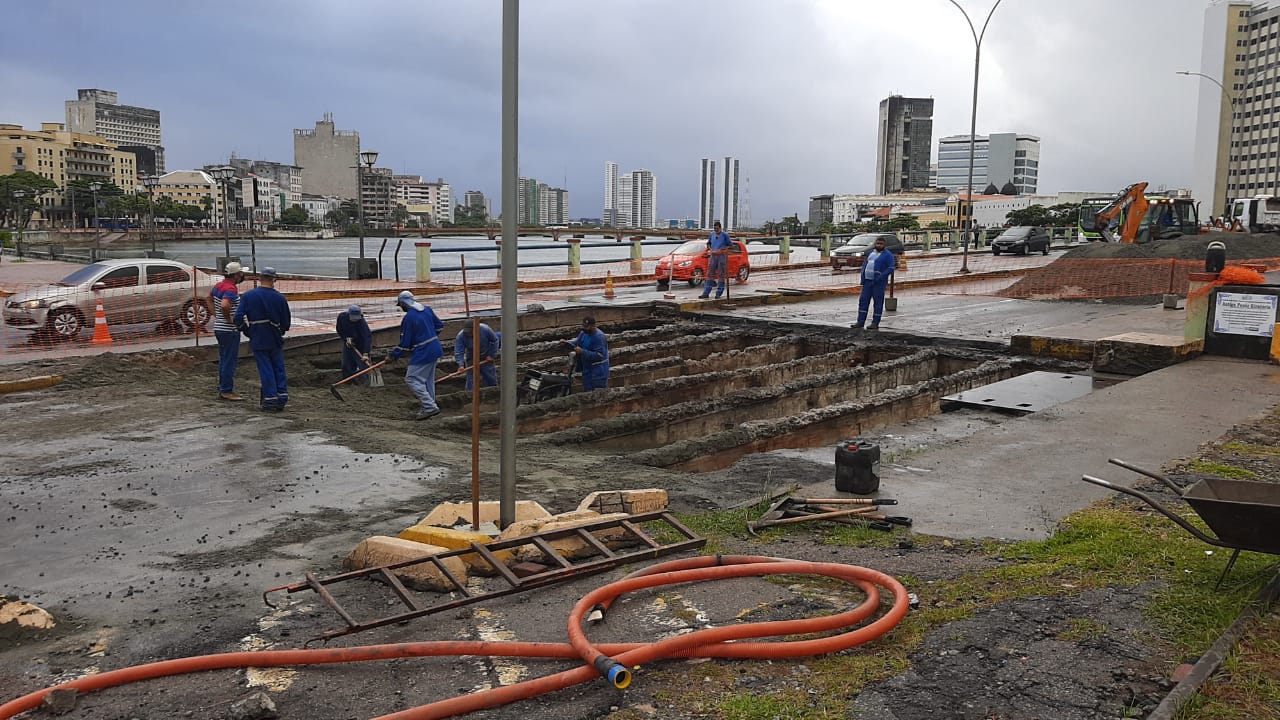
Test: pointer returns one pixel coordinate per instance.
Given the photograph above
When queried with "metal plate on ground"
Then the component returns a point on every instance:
(1027, 393)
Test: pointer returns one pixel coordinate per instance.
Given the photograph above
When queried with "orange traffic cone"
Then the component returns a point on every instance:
(608, 285)
(101, 333)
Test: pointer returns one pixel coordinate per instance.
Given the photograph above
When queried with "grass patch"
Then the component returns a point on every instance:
(1222, 470)
(1244, 448)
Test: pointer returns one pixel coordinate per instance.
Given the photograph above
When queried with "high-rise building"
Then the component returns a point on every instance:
(638, 199)
(328, 159)
(131, 128)
(821, 210)
(904, 144)
(1237, 121)
(609, 218)
(707, 194)
(527, 210)
(377, 196)
(476, 200)
(553, 205)
(730, 193)
(998, 159)
(287, 177)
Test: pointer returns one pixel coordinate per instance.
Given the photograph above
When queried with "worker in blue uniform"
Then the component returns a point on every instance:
(591, 355)
(490, 343)
(877, 267)
(357, 341)
(263, 315)
(420, 339)
(718, 244)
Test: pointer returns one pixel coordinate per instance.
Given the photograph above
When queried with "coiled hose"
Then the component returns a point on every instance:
(611, 660)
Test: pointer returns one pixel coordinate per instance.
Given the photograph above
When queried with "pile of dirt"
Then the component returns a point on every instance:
(1240, 246)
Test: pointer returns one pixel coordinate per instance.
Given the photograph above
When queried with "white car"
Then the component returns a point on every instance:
(132, 291)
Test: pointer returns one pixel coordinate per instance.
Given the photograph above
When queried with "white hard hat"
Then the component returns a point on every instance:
(233, 267)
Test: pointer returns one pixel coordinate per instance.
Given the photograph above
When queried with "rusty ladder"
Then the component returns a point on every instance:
(563, 569)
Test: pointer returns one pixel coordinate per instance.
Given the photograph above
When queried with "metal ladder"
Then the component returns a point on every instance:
(560, 568)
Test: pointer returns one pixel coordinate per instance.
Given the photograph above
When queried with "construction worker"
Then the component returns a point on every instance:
(490, 343)
(263, 315)
(591, 355)
(876, 269)
(226, 300)
(357, 341)
(718, 262)
(420, 337)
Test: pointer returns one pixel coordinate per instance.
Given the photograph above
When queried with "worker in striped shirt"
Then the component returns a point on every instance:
(226, 300)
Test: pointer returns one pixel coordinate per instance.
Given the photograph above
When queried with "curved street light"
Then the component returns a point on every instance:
(1231, 134)
(973, 121)
(223, 175)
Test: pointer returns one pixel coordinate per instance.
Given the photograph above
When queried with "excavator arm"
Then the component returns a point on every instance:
(1133, 197)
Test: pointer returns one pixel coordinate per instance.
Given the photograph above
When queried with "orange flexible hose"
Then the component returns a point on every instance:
(709, 642)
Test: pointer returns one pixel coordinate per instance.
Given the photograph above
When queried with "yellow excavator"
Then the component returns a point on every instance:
(1142, 219)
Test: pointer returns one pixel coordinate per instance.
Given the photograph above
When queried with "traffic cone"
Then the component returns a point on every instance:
(608, 285)
(101, 333)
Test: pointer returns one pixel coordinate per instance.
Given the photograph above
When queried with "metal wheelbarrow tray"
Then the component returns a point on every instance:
(1243, 514)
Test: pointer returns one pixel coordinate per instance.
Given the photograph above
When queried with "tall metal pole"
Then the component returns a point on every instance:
(226, 217)
(360, 202)
(1231, 136)
(510, 319)
(973, 125)
(97, 232)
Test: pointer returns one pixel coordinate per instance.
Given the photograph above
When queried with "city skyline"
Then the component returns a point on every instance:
(426, 92)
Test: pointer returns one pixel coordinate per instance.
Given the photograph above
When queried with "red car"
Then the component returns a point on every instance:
(692, 258)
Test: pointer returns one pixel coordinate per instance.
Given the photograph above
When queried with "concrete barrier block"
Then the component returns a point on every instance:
(454, 539)
(451, 514)
(570, 547)
(625, 501)
(1043, 346)
(382, 550)
(1137, 353)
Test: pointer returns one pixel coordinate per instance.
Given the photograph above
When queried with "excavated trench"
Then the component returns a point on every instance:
(697, 395)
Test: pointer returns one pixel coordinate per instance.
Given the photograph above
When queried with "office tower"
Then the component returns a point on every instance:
(476, 200)
(707, 195)
(133, 129)
(903, 144)
(998, 159)
(1237, 120)
(637, 199)
(730, 193)
(328, 159)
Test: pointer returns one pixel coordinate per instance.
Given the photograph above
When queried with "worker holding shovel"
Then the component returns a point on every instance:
(490, 342)
(357, 341)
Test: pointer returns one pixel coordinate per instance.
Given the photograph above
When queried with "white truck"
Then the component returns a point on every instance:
(1258, 214)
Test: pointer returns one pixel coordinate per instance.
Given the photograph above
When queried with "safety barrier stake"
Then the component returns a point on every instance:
(608, 285)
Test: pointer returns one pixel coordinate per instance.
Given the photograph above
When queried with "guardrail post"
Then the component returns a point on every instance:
(784, 250)
(824, 249)
(575, 255)
(928, 241)
(422, 256)
(637, 254)
(954, 238)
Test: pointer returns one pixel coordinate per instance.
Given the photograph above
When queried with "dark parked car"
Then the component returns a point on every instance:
(1023, 240)
(852, 253)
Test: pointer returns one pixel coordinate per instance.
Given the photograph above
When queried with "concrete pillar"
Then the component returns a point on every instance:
(498, 247)
(928, 241)
(784, 249)
(422, 254)
(637, 254)
(1198, 288)
(824, 248)
(575, 255)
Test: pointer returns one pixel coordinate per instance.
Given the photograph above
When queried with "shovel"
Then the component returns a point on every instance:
(333, 389)
(460, 373)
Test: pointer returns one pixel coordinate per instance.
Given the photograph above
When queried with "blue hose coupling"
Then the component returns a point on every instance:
(613, 671)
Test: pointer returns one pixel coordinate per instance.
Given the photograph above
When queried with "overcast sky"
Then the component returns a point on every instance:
(790, 87)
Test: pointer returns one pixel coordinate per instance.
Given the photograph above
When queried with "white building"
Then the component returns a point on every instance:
(994, 212)
(553, 205)
(137, 129)
(849, 208)
(707, 194)
(412, 192)
(609, 217)
(999, 158)
(638, 200)
(318, 207)
(730, 193)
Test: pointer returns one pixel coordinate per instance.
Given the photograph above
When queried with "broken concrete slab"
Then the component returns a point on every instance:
(1136, 353)
(570, 547)
(451, 514)
(626, 501)
(457, 539)
(382, 550)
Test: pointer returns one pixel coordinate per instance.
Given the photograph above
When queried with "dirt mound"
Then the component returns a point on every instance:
(1240, 246)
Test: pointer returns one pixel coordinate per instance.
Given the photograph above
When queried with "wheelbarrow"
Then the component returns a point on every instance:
(1242, 514)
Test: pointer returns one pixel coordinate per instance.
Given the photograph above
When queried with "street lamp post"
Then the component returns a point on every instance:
(223, 175)
(150, 182)
(973, 122)
(94, 187)
(19, 196)
(367, 158)
(1231, 134)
